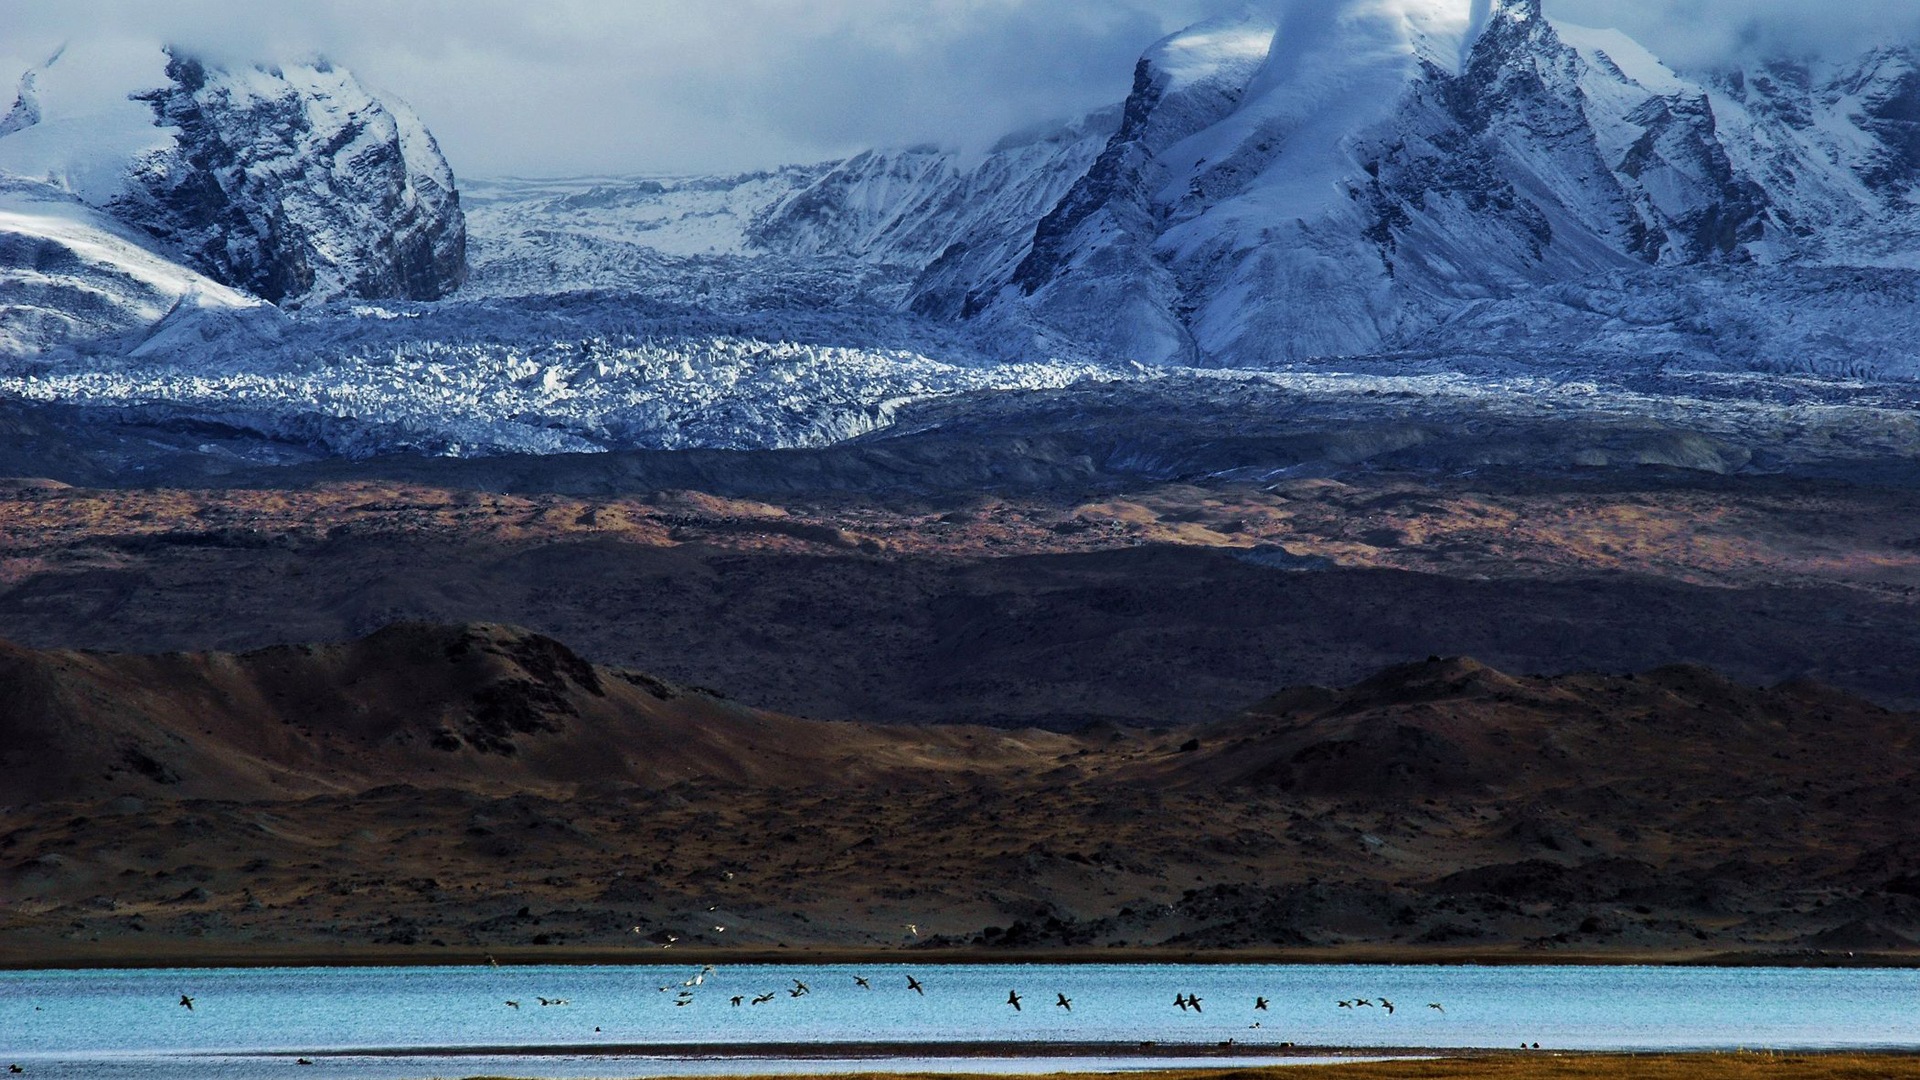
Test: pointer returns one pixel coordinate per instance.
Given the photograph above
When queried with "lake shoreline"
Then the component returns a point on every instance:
(886, 1051)
(67, 956)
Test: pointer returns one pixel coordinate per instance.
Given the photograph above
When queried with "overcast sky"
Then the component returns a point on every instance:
(578, 86)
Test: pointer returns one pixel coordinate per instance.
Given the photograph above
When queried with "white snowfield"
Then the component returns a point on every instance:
(71, 273)
(1392, 206)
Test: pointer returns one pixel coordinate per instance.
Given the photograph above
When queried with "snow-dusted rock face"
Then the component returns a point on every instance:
(945, 221)
(295, 184)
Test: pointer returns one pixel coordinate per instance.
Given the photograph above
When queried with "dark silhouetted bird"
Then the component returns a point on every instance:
(737, 999)
(1387, 1005)
(1260, 1003)
(764, 998)
(862, 983)
(913, 984)
(1193, 1000)
(186, 1002)
(513, 1004)
(1013, 999)
(1180, 1000)
(1434, 1005)
(1065, 1002)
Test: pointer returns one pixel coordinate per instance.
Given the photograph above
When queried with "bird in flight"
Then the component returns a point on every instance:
(1065, 1002)
(1387, 1005)
(1435, 1006)
(1193, 1001)
(1346, 1004)
(913, 984)
(1013, 999)
(764, 998)
(913, 928)
(1180, 1000)
(862, 983)
(737, 999)
(1260, 1003)
(186, 1002)
(513, 1004)
(802, 987)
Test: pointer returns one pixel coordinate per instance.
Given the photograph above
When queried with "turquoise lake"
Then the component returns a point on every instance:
(393, 1023)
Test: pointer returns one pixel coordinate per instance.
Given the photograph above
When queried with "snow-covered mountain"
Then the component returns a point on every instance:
(1343, 180)
(1371, 202)
(1358, 174)
(294, 183)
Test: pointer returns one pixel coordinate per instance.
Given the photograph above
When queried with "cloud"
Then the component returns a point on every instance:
(576, 86)
(571, 86)
(1709, 33)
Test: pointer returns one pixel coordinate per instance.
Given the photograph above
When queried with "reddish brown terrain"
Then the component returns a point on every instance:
(439, 792)
(1053, 607)
(1037, 717)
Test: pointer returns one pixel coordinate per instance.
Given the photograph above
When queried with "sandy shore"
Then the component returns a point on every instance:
(1540, 1066)
(1509, 1065)
(894, 1051)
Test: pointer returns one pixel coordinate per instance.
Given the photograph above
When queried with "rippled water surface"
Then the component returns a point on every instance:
(390, 1023)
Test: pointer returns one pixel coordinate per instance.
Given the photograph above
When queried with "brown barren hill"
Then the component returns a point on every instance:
(477, 707)
(1458, 728)
(481, 787)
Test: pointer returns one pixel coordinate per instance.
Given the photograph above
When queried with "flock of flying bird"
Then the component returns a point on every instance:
(799, 989)
(684, 996)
